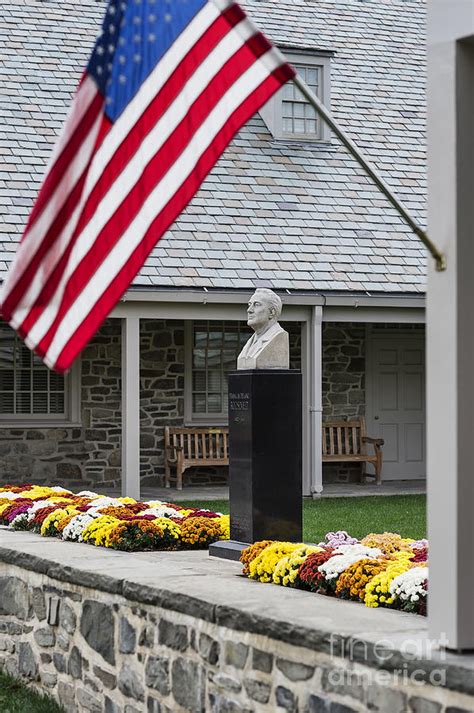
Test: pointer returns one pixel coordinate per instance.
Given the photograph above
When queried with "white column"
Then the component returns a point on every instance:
(131, 407)
(316, 401)
(450, 327)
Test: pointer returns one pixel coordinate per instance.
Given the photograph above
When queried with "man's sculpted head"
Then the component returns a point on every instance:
(264, 309)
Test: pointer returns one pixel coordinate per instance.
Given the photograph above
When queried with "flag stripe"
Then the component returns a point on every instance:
(40, 318)
(109, 297)
(148, 122)
(152, 175)
(162, 73)
(128, 150)
(28, 265)
(156, 201)
(61, 178)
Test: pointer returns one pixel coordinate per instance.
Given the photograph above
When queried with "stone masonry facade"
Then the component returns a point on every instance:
(89, 453)
(103, 652)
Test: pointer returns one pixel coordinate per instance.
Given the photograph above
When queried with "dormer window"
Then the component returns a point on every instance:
(288, 114)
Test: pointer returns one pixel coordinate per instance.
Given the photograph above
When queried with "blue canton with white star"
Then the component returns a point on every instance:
(135, 35)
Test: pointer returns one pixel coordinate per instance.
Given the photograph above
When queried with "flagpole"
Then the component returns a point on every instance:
(372, 172)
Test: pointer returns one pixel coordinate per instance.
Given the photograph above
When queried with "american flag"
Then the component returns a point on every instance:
(168, 85)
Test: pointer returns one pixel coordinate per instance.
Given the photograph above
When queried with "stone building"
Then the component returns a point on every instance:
(286, 207)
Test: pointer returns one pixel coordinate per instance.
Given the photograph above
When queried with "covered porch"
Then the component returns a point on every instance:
(332, 342)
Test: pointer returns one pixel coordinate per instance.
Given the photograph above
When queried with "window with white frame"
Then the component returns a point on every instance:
(29, 391)
(289, 115)
(212, 351)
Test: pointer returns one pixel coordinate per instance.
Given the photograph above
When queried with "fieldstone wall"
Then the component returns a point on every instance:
(89, 454)
(343, 396)
(102, 652)
(84, 453)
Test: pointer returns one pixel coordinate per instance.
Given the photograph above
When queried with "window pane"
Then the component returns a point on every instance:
(215, 339)
(298, 110)
(23, 403)
(199, 403)
(40, 380)
(56, 403)
(7, 380)
(289, 91)
(199, 358)
(199, 381)
(214, 403)
(6, 352)
(244, 337)
(214, 381)
(231, 339)
(23, 380)
(56, 381)
(288, 126)
(23, 357)
(40, 403)
(229, 360)
(213, 358)
(6, 403)
(299, 126)
(200, 339)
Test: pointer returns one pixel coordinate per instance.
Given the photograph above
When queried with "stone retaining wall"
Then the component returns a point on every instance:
(135, 649)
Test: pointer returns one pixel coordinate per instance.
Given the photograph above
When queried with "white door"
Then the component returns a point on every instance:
(396, 402)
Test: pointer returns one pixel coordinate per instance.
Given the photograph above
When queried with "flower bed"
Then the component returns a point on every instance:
(380, 570)
(119, 523)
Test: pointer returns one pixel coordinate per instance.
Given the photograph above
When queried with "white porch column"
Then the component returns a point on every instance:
(316, 400)
(450, 328)
(131, 407)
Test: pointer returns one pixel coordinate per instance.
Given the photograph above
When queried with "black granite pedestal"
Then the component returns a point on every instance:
(265, 458)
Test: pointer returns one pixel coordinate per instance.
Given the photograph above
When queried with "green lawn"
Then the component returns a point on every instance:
(15, 697)
(405, 514)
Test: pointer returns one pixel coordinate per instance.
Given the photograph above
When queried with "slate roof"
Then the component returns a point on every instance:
(273, 213)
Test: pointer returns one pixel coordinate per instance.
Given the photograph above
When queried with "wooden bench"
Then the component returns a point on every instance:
(346, 442)
(187, 447)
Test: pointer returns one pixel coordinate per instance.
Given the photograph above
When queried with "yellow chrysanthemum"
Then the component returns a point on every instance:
(55, 519)
(263, 566)
(378, 589)
(168, 526)
(97, 530)
(388, 542)
(224, 522)
(287, 568)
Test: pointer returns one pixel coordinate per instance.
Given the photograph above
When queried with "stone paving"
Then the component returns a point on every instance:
(332, 490)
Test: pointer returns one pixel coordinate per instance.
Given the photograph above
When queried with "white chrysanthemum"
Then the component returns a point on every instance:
(88, 494)
(37, 506)
(105, 502)
(20, 519)
(349, 555)
(59, 489)
(75, 528)
(408, 586)
(163, 511)
(356, 549)
(8, 495)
